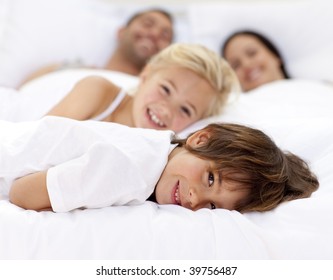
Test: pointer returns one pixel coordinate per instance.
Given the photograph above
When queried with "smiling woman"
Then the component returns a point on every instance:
(254, 58)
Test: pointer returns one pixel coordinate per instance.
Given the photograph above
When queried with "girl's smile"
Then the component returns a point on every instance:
(171, 98)
(155, 120)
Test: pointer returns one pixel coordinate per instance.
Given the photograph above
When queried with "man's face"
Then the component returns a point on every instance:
(145, 36)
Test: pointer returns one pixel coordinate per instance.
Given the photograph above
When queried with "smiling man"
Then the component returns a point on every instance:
(145, 34)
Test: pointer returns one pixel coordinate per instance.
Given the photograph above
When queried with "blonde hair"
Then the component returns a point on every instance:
(204, 62)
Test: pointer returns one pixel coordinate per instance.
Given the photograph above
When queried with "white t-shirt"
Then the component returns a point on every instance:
(90, 164)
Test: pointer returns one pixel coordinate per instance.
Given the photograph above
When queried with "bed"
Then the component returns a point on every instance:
(296, 113)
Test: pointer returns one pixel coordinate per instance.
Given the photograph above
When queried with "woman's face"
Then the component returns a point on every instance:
(252, 61)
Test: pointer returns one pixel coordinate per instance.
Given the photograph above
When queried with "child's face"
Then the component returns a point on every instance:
(189, 181)
(171, 98)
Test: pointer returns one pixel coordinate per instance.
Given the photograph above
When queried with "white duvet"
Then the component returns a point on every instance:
(295, 113)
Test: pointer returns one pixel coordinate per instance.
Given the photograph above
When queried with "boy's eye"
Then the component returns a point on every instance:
(210, 179)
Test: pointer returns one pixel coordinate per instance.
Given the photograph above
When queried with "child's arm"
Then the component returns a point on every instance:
(88, 98)
(30, 192)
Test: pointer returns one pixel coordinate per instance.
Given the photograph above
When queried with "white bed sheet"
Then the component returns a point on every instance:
(300, 229)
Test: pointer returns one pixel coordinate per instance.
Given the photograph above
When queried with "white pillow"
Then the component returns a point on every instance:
(276, 102)
(301, 30)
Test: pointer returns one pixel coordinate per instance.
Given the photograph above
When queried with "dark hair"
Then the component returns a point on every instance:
(249, 157)
(268, 44)
(152, 10)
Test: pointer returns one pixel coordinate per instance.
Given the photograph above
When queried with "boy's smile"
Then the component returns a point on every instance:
(190, 181)
(175, 196)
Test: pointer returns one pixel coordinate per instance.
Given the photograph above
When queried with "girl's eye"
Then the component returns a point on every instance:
(186, 111)
(212, 206)
(210, 179)
(166, 90)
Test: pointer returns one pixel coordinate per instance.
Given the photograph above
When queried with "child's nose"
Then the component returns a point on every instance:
(197, 198)
(165, 111)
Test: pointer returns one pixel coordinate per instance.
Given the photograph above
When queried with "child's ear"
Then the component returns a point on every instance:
(198, 138)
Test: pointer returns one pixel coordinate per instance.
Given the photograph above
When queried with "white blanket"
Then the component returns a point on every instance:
(300, 229)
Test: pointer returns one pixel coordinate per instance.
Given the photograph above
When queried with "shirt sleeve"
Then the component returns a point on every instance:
(102, 176)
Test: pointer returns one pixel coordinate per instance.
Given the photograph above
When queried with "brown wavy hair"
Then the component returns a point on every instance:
(271, 175)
